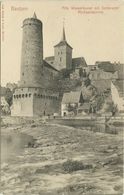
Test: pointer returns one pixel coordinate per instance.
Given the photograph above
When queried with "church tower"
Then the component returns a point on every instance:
(63, 54)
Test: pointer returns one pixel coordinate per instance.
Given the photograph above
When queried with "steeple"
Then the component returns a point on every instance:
(63, 41)
(34, 16)
(63, 33)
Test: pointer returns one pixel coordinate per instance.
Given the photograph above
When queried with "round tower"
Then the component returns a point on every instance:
(32, 53)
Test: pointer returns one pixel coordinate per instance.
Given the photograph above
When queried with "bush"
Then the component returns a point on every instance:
(70, 166)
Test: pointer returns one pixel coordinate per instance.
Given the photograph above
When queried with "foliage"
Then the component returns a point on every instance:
(8, 96)
(72, 108)
(87, 82)
(100, 101)
(64, 73)
(112, 108)
(7, 93)
(82, 73)
(70, 166)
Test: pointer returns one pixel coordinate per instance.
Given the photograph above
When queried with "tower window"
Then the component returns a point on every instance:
(60, 59)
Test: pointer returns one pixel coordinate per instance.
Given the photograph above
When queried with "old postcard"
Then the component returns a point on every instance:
(62, 97)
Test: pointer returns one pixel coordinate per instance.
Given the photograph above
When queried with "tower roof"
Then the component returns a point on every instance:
(34, 15)
(63, 35)
(63, 40)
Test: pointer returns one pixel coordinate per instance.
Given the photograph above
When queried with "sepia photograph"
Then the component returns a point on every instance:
(62, 97)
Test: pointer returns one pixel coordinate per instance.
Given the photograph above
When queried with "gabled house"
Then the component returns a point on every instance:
(71, 102)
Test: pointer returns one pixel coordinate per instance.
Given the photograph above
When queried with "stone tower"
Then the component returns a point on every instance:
(63, 54)
(32, 53)
(33, 97)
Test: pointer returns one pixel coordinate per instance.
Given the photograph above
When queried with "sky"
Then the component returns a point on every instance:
(94, 36)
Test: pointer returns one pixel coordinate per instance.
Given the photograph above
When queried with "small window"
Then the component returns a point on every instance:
(58, 53)
(60, 59)
(19, 95)
(23, 95)
(26, 95)
(29, 95)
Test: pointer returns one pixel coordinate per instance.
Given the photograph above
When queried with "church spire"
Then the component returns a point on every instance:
(34, 16)
(63, 33)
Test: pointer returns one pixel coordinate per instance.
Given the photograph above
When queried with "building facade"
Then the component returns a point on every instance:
(71, 102)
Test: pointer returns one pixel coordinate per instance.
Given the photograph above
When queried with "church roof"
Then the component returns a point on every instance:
(63, 40)
(62, 43)
(71, 97)
(49, 66)
(80, 61)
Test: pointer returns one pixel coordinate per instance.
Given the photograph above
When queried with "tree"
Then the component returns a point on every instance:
(8, 96)
(113, 108)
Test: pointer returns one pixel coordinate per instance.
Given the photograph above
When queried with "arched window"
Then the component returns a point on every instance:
(19, 95)
(26, 95)
(23, 95)
(29, 94)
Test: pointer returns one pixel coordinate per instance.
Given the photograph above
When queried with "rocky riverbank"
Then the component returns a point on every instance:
(62, 161)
